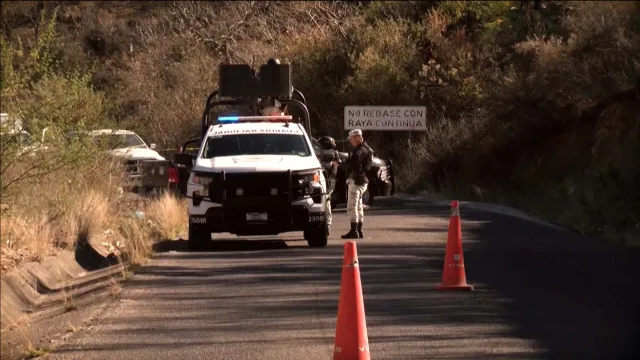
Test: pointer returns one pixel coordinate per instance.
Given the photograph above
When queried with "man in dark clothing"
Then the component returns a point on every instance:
(330, 160)
(360, 163)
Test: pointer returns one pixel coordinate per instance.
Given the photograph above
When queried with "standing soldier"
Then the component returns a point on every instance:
(330, 160)
(359, 163)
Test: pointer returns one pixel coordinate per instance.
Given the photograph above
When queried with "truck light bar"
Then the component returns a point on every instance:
(273, 118)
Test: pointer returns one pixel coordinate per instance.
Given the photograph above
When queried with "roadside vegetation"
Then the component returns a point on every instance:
(532, 107)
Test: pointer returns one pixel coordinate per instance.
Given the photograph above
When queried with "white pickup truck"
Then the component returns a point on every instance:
(13, 134)
(256, 175)
(146, 170)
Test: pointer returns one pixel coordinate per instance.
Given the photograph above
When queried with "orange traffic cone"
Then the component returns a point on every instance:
(453, 275)
(351, 342)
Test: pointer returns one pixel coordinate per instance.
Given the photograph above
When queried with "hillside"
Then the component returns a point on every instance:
(534, 107)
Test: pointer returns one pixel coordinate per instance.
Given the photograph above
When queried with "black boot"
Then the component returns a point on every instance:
(353, 234)
(360, 234)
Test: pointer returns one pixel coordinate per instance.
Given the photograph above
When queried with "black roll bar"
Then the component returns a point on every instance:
(296, 91)
(207, 109)
(210, 105)
(205, 113)
(304, 109)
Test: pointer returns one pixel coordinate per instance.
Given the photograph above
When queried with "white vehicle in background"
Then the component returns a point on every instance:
(12, 133)
(126, 144)
(145, 170)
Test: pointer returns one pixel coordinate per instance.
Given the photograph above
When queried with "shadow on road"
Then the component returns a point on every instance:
(222, 245)
(263, 293)
(567, 296)
(578, 297)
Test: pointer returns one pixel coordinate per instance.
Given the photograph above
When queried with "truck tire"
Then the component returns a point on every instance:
(198, 240)
(317, 237)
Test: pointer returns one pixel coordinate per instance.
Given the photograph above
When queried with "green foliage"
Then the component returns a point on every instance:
(508, 88)
(482, 19)
(505, 87)
(49, 102)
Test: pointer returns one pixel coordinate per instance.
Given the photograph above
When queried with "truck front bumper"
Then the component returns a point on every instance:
(257, 220)
(270, 204)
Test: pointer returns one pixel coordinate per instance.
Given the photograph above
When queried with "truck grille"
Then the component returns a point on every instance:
(257, 185)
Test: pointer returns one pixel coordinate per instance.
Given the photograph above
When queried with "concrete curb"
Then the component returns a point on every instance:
(488, 207)
(54, 285)
(508, 211)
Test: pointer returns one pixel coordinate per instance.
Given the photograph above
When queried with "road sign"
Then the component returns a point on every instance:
(385, 118)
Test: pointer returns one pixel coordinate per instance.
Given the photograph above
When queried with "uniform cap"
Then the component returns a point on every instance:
(355, 132)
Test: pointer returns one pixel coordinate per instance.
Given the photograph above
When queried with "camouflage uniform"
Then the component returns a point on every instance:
(360, 164)
(355, 212)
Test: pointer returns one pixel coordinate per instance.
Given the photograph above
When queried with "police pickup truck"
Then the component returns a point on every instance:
(255, 175)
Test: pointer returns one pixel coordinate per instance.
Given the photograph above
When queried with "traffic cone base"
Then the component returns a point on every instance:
(453, 274)
(455, 287)
(351, 341)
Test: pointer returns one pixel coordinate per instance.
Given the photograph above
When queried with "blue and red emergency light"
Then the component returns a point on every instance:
(271, 118)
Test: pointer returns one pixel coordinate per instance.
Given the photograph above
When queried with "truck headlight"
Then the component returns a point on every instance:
(202, 192)
(309, 178)
(202, 180)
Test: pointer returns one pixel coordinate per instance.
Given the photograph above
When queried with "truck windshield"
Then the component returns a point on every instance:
(255, 144)
(118, 141)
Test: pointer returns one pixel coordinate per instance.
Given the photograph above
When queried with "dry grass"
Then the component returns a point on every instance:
(26, 238)
(89, 215)
(91, 209)
(168, 215)
(136, 240)
(114, 288)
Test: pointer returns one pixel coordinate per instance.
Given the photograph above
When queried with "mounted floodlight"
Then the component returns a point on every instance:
(239, 119)
(236, 81)
(239, 85)
(275, 80)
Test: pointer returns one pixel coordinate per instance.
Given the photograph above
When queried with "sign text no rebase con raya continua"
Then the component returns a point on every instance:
(385, 118)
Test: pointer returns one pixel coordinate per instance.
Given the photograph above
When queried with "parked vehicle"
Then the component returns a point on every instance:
(13, 134)
(146, 171)
(258, 174)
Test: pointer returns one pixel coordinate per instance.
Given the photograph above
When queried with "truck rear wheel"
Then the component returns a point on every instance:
(198, 239)
(317, 237)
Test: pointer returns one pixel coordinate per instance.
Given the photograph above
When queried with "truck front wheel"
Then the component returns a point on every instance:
(317, 237)
(198, 239)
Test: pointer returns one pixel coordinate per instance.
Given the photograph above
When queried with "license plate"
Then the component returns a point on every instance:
(316, 218)
(257, 217)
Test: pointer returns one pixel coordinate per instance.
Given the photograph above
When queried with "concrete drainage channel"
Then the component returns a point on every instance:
(34, 292)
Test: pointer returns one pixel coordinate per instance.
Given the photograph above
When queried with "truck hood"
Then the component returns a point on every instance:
(137, 153)
(257, 163)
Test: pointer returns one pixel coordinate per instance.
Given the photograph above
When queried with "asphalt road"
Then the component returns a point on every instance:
(540, 294)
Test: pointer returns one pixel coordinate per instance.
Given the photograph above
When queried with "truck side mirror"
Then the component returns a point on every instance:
(152, 146)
